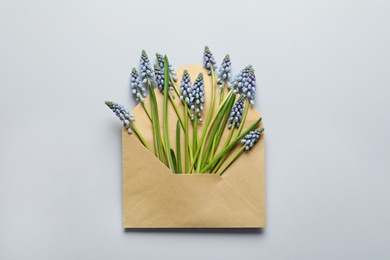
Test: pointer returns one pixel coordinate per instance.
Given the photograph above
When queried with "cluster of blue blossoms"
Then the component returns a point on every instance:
(208, 60)
(196, 98)
(185, 88)
(146, 68)
(122, 113)
(236, 113)
(160, 63)
(137, 88)
(160, 78)
(250, 139)
(224, 72)
(245, 83)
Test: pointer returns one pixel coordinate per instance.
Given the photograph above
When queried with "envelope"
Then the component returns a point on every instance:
(153, 197)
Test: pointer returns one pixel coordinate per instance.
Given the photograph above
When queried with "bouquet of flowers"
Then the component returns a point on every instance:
(198, 147)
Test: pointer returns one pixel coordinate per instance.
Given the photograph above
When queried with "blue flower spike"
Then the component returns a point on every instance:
(236, 112)
(160, 78)
(245, 83)
(197, 97)
(224, 72)
(146, 69)
(159, 75)
(160, 62)
(137, 88)
(250, 139)
(122, 113)
(208, 60)
(185, 88)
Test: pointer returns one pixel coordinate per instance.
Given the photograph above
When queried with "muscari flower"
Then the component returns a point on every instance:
(250, 139)
(185, 87)
(160, 78)
(160, 62)
(245, 83)
(146, 69)
(224, 72)
(196, 97)
(122, 113)
(159, 74)
(236, 113)
(208, 60)
(137, 88)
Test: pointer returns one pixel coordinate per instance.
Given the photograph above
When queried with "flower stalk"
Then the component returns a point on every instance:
(178, 151)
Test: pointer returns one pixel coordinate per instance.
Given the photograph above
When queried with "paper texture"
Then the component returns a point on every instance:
(153, 197)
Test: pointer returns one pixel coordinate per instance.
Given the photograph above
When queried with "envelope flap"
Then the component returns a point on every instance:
(194, 201)
(141, 170)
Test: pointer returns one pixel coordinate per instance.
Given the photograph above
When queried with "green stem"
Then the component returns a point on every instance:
(211, 109)
(221, 129)
(168, 152)
(235, 156)
(210, 113)
(195, 132)
(213, 133)
(147, 111)
(155, 123)
(246, 108)
(140, 136)
(230, 146)
(188, 150)
(222, 93)
(178, 152)
(174, 165)
(186, 161)
(176, 110)
(174, 85)
(215, 169)
(207, 128)
(229, 137)
(226, 155)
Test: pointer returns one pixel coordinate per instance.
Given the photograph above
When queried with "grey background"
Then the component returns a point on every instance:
(323, 74)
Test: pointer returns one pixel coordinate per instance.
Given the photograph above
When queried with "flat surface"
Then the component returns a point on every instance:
(323, 74)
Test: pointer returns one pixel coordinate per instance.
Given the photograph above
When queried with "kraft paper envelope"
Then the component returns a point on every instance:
(153, 197)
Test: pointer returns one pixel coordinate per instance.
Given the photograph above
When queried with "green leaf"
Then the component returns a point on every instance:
(156, 124)
(165, 115)
(221, 129)
(214, 131)
(178, 152)
(231, 145)
(174, 165)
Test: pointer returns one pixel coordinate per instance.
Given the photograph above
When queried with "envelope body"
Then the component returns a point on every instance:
(154, 197)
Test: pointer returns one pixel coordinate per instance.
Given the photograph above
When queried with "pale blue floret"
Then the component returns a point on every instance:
(137, 88)
(250, 139)
(122, 113)
(146, 69)
(245, 83)
(208, 60)
(224, 72)
(197, 97)
(236, 113)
